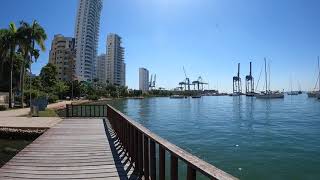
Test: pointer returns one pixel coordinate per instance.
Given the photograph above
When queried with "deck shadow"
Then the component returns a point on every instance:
(124, 166)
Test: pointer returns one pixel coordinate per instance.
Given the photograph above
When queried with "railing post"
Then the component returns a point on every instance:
(140, 153)
(174, 167)
(191, 173)
(136, 147)
(162, 164)
(132, 142)
(152, 160)
(146, 157)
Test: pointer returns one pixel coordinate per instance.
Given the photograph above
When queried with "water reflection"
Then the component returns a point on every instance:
(237, 105)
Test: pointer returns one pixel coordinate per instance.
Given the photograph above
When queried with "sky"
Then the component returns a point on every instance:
(207, 37)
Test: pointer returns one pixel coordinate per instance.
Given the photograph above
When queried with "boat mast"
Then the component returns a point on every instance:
(319, 73)
(266, 75)
(269, 80)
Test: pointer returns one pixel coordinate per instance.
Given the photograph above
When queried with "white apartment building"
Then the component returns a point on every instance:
(143, 79)
(102, 69)
(62, 55)
(116, 68)
(87, 35)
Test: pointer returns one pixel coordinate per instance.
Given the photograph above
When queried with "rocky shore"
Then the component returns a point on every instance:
(19, 133)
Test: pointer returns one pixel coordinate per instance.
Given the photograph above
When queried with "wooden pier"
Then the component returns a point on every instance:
(115, 147)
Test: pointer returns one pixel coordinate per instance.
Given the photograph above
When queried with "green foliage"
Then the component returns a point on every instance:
(17, 47)
(60, 88)
(48, 113)
(35, 93)
(52, 98)
(3, 107)
(48, 77)
(93, 97)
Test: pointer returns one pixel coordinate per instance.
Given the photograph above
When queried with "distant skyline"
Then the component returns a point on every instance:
(207, 37)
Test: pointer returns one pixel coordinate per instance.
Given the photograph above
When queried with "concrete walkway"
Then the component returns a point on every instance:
(25, 111)
(29, 123)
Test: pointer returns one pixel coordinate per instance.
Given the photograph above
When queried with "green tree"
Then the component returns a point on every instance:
(60, 89)
(48, 76)
(8, 46)
(29, 36)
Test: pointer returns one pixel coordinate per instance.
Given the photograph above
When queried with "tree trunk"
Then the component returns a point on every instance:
(11, 79)
(23, 72)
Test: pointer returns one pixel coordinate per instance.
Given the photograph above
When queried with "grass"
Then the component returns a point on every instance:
(48, 113)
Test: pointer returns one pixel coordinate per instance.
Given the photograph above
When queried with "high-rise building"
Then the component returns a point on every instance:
(86, 35)
(116, 68)
(62, 54)
(143, 79)
(102, 69)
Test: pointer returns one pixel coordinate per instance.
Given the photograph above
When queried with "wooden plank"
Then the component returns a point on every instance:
(74, 149)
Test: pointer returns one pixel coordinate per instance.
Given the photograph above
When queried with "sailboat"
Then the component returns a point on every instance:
(300, 91)
(292, 93)
(316, 94)
(268, 94)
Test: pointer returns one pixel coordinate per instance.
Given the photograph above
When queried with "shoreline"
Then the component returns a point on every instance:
(21, 133)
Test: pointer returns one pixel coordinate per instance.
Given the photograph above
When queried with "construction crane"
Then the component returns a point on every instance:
(237, 86)
(250, 83)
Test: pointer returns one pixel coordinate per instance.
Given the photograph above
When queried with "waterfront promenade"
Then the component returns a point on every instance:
(99, 147)
(73, 149)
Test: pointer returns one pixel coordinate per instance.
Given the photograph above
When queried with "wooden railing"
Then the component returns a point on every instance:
(86, 110)
(140, 144)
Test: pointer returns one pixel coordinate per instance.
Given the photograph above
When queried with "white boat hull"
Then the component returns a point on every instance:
(269, 96)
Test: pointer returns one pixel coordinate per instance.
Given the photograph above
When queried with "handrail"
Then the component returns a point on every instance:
(82, 110)
(134, 136)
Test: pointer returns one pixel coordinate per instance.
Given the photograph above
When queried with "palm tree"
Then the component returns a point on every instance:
(8, 46)
(30, 35)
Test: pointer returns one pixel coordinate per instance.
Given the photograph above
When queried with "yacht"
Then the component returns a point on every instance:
(316, 94)
(268, 94)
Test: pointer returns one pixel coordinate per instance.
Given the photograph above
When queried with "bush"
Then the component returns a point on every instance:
(93, 97)
(34, 95)
(3, 107)
(52, 98)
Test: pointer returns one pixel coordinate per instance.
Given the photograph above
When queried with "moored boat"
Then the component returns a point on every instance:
(293, 93)
(177, 97)
(267, 94)
(196, 97)
(316, 94)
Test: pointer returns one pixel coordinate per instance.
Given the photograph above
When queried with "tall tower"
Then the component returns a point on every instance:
(143, 79)
(87, 35)
(101, 69)
(116, 68)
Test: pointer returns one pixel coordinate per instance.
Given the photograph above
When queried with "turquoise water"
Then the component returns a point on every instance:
(249, 138)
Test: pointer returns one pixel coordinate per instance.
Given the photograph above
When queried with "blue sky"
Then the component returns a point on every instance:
(207, 37)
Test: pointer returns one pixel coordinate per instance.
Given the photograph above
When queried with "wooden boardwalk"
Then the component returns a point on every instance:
(73, 149)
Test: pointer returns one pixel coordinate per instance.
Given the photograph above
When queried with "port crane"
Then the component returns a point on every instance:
(152, 83)
(186, 82)
(237, 86)
(199, 82)
(250, 83)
